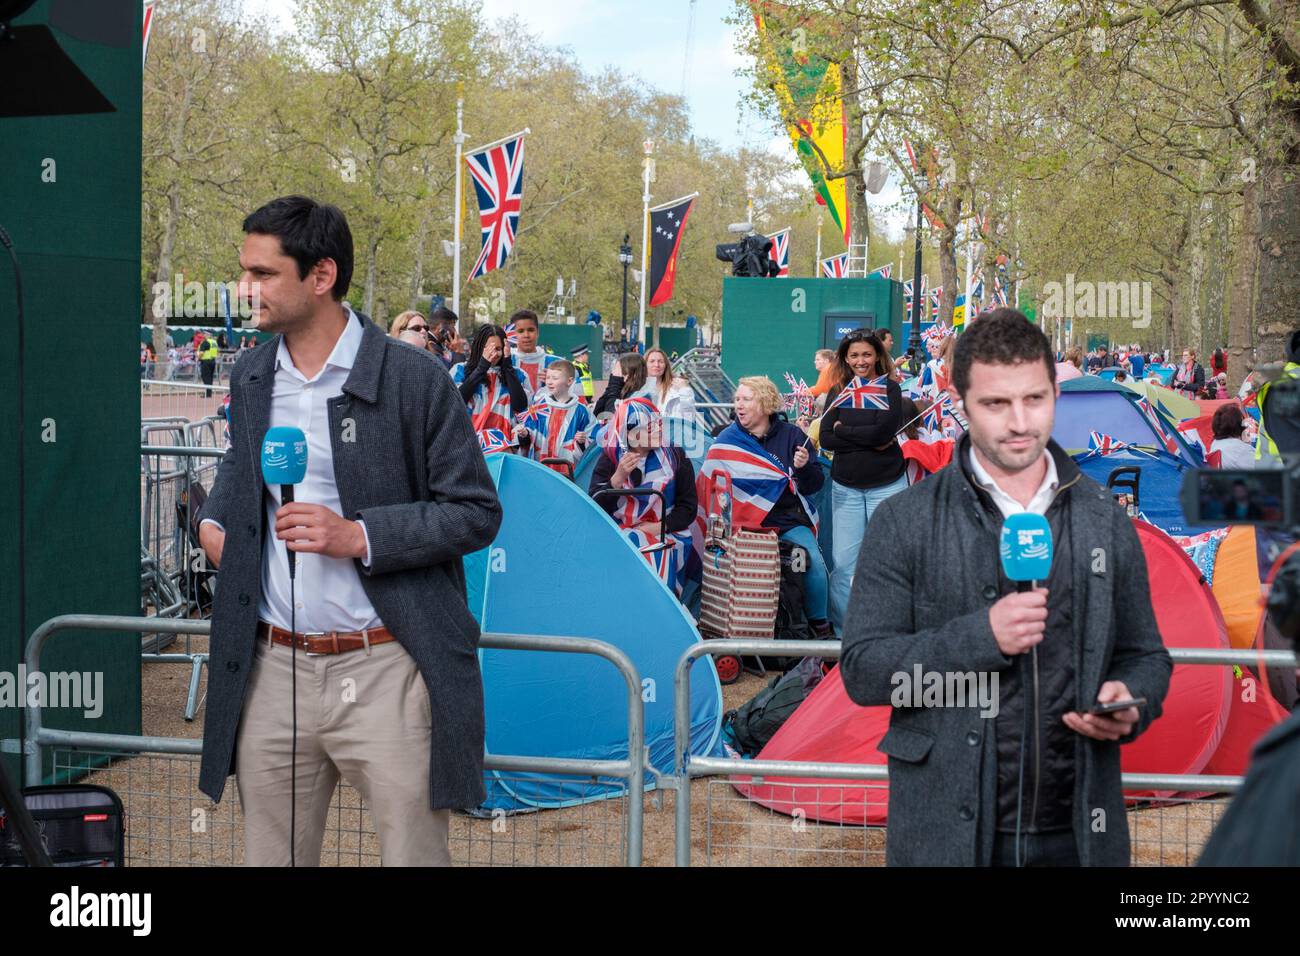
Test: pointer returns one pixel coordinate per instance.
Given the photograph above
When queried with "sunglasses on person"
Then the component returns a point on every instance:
(417, 328)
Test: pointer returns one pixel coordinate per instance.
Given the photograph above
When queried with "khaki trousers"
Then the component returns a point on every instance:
(364, 716)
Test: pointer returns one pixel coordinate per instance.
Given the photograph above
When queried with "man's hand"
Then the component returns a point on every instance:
(1105, 726)
(317, 530)
(213, 541)
(1019, 621)
(800, 456)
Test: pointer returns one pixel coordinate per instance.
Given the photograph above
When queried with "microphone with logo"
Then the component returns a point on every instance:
(1026, 550)
(284, 463)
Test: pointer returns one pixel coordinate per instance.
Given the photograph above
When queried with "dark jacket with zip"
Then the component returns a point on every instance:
(925, 580)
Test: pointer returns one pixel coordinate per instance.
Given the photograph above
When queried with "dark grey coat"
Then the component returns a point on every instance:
(407, 463)
(922, 593)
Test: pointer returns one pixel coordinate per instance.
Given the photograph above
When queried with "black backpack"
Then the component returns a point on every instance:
(756, 721)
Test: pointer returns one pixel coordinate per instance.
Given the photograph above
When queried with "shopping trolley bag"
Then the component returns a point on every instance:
(742, 573)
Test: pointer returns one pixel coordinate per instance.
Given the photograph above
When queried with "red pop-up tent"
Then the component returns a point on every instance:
(828, 727)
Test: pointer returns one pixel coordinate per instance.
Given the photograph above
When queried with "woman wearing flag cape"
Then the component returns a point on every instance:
(859, 426)
(635, 457)
(773, 474)
(491, 386)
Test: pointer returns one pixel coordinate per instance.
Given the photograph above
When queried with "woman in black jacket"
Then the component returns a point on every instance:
(1190, 377)
(860, 427)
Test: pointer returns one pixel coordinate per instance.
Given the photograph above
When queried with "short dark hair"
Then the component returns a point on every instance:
(308, 231)
(1000, 337)
(444, 316)
(524, 314)
(1228, 422)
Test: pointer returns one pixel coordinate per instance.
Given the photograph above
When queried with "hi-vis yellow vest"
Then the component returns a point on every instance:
(1266, 446)
(209, 349)
(584, 376)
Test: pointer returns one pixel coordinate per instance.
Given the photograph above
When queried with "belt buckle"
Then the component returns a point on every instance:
(307, 634)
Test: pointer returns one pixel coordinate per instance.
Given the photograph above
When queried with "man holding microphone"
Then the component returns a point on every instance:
(1039, 783)
(363, 662)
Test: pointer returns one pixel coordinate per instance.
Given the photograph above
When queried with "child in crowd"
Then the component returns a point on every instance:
(557, 424)
(528, 358)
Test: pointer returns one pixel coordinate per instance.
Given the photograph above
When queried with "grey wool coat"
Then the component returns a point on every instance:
(411, 469)
(926, 577)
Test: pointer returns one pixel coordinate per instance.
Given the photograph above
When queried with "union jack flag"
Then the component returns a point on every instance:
(800, 398)
(512, 337)
(781, 250)
(1104, 444)
(835, 266)
(1153, 416)
(494, 440)
(907, 297)
(758, 480)
(884, 271)
(864, 393)
(935, 294)
(499, 182)
(932, 417)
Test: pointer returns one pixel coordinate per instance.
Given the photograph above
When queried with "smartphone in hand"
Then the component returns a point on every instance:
(1115, 706)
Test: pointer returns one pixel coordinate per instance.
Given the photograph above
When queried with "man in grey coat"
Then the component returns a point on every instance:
(364, 662)
(1025, 776)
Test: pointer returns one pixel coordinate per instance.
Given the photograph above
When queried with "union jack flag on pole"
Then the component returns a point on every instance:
(781, 250)
(864, 393)
(884, 271)
(935, 295)
(498, 172)
(835, 266)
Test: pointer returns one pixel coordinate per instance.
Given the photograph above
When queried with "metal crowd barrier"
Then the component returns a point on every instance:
(1172, 835)
(168, 817)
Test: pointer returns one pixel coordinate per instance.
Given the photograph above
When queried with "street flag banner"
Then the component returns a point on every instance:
(959, 313)
(834, 267)
(148, 28)
(884, 271)
(935, 294)
(809, 93)
(498, 172)
(666, 225)
(781, 250)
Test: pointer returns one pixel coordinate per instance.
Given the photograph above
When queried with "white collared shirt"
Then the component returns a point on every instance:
(327, 591)
(1008, 505)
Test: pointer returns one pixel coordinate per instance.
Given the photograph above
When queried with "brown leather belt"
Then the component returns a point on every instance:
(325, 642)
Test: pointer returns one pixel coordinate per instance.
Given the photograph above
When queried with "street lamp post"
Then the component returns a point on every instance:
(625, 257)
(915, 343)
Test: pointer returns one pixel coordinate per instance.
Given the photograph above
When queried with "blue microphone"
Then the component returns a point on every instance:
(1026, 549)
(284, 463)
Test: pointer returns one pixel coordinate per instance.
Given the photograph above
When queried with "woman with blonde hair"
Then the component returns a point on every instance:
(674, 398)
(773, 460)
(412, 328)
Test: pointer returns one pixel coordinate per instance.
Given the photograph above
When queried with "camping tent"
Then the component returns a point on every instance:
(1089, 404)
(828, 727)
(559, 566)
(1176, 405)
(1159, 482)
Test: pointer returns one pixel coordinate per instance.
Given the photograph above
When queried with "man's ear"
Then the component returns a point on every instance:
(323, 275)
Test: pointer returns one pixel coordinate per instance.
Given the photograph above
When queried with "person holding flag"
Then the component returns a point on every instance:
(862, 418)
(636, 457)
(493, 389)
(773, 476)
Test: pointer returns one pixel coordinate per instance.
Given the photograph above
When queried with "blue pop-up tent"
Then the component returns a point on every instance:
(559, 566)
(1089, 404)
